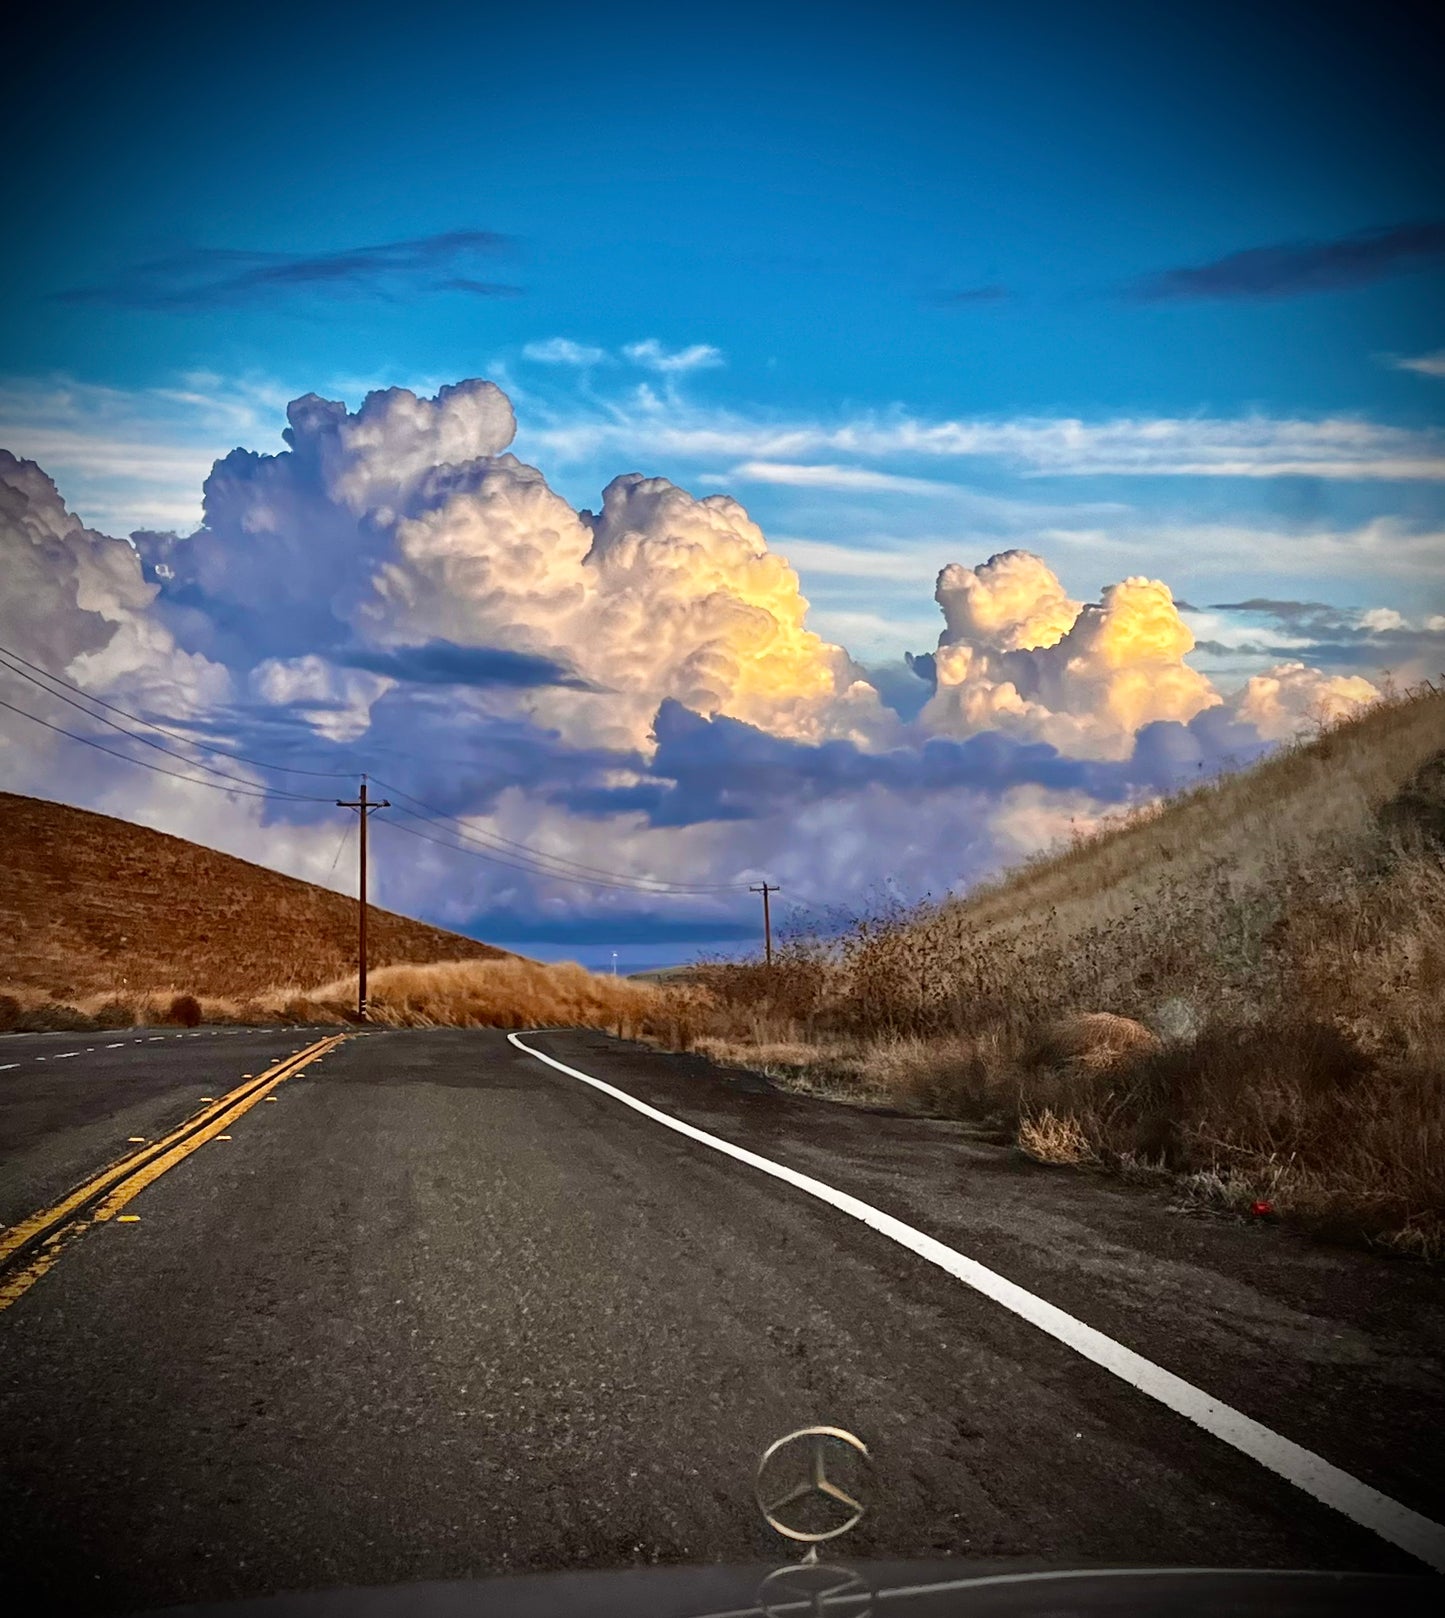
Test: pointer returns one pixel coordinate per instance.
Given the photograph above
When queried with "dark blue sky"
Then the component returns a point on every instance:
(809, 189)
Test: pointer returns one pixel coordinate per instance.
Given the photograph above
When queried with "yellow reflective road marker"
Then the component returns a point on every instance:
(129, 1219)
(223, 1137)
(29, 1249)
(135, 1140)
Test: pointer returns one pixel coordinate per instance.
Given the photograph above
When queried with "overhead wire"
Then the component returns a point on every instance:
(531, 870)
(345, 836)
(490, 845)
(144, 764)
(568, 865)
(160, 747)
(177, 736)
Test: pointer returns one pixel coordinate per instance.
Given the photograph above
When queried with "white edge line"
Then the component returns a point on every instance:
(1392, 1521)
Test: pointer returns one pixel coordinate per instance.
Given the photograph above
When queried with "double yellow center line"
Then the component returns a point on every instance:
(28, 1250)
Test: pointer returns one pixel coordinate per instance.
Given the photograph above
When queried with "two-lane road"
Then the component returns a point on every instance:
(446, 1312)
(70, 1103)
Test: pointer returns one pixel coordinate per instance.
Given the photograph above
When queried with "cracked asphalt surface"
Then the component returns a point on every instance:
(444, 1313)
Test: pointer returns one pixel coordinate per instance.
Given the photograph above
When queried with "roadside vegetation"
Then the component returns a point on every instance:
(1241, 989)
(506, 993)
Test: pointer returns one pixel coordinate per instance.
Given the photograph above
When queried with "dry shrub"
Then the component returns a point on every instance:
(53, 1017)
(114, 1014)
(184, 1009)
(9, 1012)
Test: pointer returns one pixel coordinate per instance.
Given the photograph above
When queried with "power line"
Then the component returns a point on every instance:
(491, 839)
(148, 741)
(337, 855)
(177, 736)
(530, 870)
(491, 845)
(140, 763)
(533, 861)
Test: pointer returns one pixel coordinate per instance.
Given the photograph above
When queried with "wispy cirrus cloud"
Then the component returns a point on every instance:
(1423, 364)
(652, 356)
(563, 351)
(1288, 269)
(137, 458)
(203, 278)
(849, 479)
(1334, 447)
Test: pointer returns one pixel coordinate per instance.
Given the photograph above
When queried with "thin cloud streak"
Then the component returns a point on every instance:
(850, 479)
(1424, 364)
(205, 278)
(1289, 269)
(1339, 448)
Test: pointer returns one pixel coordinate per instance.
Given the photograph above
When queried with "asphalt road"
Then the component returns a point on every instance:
(443, 1312)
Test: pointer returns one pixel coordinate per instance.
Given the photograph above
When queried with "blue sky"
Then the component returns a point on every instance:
(802, 255)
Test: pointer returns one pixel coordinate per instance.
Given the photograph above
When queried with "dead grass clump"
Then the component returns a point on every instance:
(1048, 1138)
(1092, 1042)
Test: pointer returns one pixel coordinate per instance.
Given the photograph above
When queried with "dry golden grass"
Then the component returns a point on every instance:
(501, 994)
(506, 993)
(1047, 1138)
(1244, 986)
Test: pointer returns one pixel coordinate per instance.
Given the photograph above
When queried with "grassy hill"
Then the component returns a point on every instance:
(96, 907)
(1242, 987)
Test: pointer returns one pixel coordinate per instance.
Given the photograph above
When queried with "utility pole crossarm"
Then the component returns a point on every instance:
(766, 889)
(366, 807)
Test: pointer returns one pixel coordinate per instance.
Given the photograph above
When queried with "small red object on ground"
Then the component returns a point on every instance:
(1261, 1208)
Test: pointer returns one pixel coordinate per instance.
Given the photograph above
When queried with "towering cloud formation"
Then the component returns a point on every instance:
(1291, 697)
(1016, 654)
(409, 522)
(636, 686)
(75, 599)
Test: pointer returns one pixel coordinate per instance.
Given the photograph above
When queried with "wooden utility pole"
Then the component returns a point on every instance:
(366, 807)
(765, 888)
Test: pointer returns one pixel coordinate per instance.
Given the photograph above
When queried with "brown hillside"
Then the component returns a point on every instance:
(89, 905)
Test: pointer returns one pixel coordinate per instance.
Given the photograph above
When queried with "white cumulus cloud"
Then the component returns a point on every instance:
(639, 686)
(1017, 654)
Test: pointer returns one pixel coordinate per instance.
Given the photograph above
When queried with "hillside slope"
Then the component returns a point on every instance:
(91, 905)
(1243, 986)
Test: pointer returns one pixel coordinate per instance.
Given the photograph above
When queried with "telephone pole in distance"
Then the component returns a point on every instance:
(366, 807)
(766, 888)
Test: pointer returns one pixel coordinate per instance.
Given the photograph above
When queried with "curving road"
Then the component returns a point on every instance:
(443, 1311)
